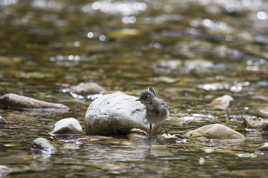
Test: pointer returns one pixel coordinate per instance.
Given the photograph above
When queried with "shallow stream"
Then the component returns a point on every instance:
(190, 51)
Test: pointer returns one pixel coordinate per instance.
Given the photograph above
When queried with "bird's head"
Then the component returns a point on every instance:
(147, 95)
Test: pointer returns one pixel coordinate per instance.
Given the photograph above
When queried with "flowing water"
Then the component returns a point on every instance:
(190, 51)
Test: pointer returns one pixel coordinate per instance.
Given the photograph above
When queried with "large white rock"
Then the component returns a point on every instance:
(115, 114)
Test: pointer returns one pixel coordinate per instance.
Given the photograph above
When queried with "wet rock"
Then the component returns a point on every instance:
(88, 88)
(4, 170)
(215, 131)
(114, 114)
(43, 146)
(264, 147)
(18, 102)
(2, 121)
(221, 103)
(67, 126)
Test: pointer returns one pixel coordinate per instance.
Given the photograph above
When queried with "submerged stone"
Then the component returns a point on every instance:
(43, 146)
(18, 102)
(115, 114)
(221, 103)
(67, 126)
(88, 88)
(215, 131)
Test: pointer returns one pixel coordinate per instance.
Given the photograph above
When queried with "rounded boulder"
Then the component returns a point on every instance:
(115, 114)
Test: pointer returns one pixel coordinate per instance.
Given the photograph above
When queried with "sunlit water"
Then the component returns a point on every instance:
(190, 51)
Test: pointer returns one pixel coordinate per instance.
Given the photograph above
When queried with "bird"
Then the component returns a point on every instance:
(156, 108)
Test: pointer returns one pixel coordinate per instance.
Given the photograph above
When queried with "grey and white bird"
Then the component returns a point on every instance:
(156, 108)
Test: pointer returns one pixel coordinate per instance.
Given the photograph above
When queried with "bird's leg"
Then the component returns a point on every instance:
(150, 131)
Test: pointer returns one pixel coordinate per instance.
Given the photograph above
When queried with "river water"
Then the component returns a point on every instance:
(190, 51)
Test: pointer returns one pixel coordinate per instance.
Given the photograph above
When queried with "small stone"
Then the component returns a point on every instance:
(42, 145)
(88, 88)
(215, 131)
(67, 126)
(221, 103)
(18, 102)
